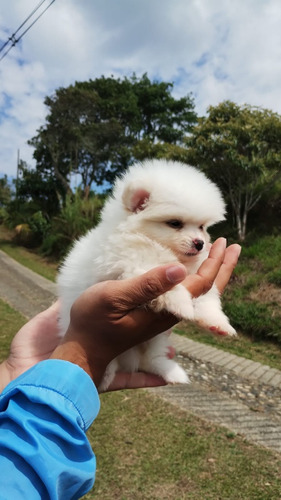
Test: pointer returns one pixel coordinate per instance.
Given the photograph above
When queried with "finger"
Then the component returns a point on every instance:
(136, 380)
(203, 280)
(230, 260)
(142, 289)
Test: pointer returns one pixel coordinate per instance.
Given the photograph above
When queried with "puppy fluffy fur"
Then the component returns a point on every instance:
(158, 213)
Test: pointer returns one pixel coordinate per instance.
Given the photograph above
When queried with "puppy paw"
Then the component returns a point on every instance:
(225, 329)
(176, 375)
(177, 301)
(221, 328)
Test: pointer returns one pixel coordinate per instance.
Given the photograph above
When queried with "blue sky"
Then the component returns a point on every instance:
(216, 49)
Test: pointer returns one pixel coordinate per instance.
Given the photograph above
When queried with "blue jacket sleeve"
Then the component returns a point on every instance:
(44, 451)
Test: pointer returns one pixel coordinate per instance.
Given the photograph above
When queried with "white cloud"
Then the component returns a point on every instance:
(217, 50)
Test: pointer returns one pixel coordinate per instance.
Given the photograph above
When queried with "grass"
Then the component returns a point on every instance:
(253, 298)
(10, 322)
(148, 450)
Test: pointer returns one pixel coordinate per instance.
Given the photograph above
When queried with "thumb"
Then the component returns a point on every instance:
(142, 289)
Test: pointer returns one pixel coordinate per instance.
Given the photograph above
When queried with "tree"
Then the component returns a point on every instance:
(239, 147)
(39, 191)
(93, 127)
(5, 191)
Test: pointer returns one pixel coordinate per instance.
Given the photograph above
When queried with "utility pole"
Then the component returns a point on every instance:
(17, 179)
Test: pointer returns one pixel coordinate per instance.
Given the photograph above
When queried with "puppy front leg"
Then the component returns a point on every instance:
(177, 301)
(208, 312)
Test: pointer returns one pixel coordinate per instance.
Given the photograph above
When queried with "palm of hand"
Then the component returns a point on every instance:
(34, 342)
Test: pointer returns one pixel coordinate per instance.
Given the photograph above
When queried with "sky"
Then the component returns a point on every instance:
(215, 49)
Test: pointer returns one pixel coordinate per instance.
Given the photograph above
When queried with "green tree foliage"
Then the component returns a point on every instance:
(38, 189)
(240, 149)
(76, 217)
(93, 128)
(5, 191)
(5, 198)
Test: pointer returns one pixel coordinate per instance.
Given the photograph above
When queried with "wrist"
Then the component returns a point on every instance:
(74, 352)
(5, 375)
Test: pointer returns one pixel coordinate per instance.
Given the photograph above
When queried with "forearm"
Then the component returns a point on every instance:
(44, 415)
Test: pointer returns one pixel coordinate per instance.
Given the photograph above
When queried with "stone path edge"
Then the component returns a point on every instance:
(243, 367)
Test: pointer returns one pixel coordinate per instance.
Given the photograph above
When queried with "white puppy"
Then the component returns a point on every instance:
(158, 213)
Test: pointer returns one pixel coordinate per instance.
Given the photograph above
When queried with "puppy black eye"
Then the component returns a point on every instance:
(175, 223)
(201, 227)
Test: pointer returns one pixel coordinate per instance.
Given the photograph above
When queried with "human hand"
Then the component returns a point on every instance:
(226, 257)
(34, 342)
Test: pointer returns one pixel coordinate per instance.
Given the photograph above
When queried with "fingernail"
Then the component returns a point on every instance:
(239, 249)
(175, 274)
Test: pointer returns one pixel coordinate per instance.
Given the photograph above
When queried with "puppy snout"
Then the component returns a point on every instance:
(198, 244)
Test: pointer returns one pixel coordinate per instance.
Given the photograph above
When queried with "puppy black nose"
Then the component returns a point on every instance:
(198, 244)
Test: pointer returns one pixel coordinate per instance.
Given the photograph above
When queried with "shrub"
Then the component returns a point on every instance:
(254, 319)
(77, 216)
(3, 215)
(23, 235)
(55, 245)
(39, 226)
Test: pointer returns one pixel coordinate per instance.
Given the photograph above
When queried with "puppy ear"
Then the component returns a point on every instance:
(135, 199)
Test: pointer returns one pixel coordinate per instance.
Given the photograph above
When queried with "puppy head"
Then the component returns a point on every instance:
(173, 204)
(166, 223)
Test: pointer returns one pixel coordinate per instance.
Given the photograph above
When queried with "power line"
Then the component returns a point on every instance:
(12, 39)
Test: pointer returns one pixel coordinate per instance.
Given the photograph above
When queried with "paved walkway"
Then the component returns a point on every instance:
(226, 389)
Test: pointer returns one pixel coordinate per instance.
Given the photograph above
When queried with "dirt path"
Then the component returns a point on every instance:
(24, 290)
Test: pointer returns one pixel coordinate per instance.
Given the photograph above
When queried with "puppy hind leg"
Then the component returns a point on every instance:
(109, 375)
(155, 360)
(168, 369)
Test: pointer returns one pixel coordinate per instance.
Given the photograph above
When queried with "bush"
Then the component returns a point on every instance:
(23, 235)
(55, 245)
(76, 218)
(254, 319)
(3, 215)
(39, 226)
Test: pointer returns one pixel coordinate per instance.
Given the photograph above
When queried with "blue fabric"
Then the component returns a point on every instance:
(44, 451)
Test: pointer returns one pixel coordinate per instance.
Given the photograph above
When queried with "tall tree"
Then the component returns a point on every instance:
(5, 191)
(239, 147)
(40, 189)
(93, 127)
